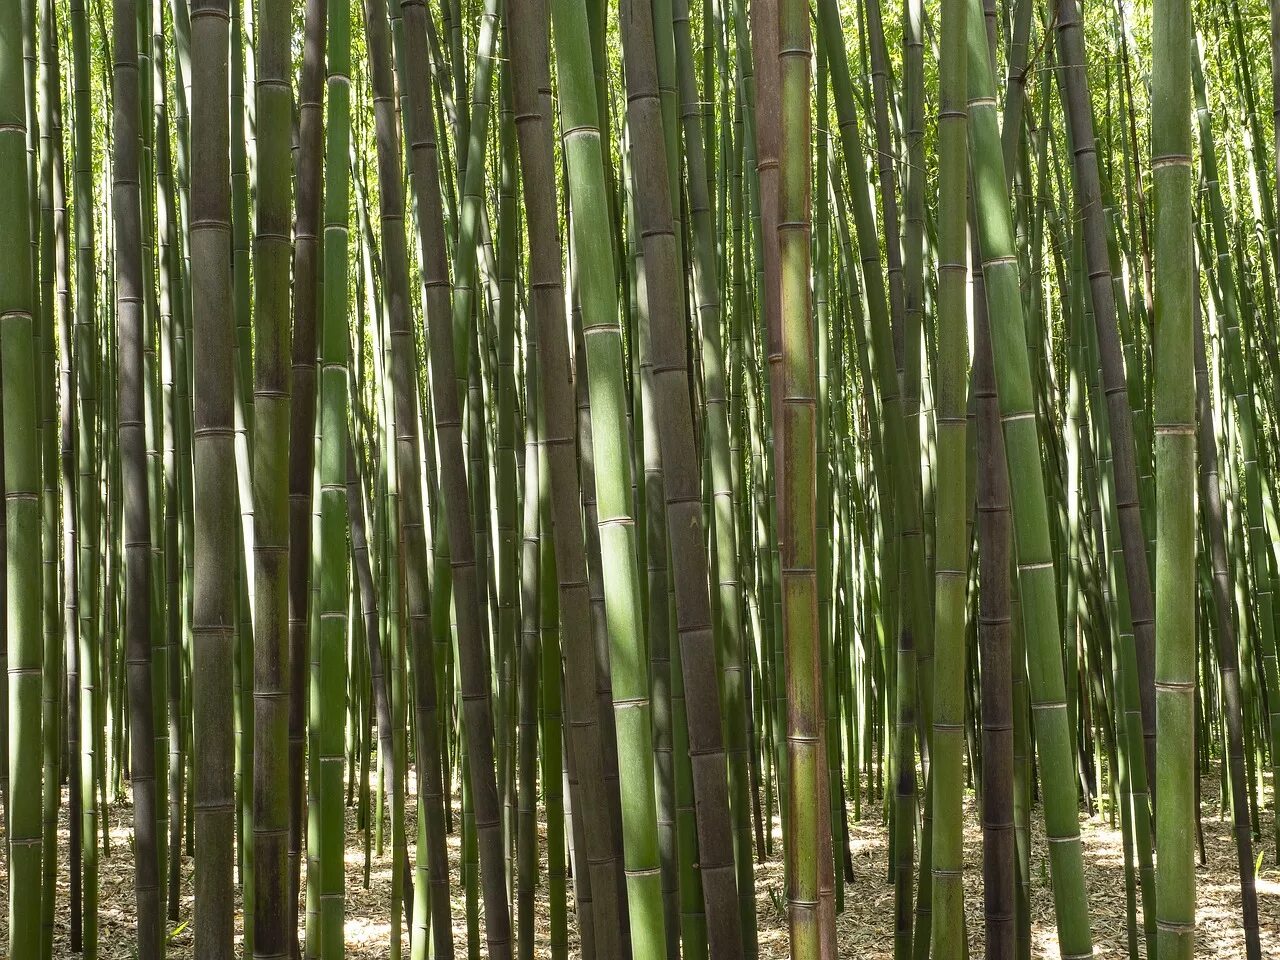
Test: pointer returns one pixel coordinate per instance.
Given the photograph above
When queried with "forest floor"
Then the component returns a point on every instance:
(865, 928)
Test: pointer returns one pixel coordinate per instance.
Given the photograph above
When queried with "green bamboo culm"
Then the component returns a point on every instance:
(52, 312)
(1226, 644)
(673, 422)
(727, 556)
(951, 569)
(552, 386)
(907, 569)
(527, 729)
(131, 389)
(22, 508)
(213, 346)
(86, 455)
(766, 616)
(606, 380)
(328, 657)
(1258, 489)
(1036, 580)
(242, 268)
(272, 418)
(432, 866)
(448, 354)
(307, 227)
(808, 844)
(1175, 457)
(403, 355)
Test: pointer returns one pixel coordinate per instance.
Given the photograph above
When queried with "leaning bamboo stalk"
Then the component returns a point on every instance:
(458, 527)
(469, 605)
(471, 144)
(1259, 500)
(1036, 576)
(173, 437)
(903, 448)
(532, 91)
(915, 626)
(409, 414)
(157, 307)
(507, 510)
(670, 736)
(594, 274)
(718, 438)
(551, 733)
(242, 309)
(404, 421)
(383, 689)
(1088, 192)
(1228, 654)
(527, 729)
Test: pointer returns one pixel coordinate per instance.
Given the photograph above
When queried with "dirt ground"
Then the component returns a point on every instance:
(865, 929)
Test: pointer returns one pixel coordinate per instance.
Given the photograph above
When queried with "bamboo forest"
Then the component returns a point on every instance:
(640, 479)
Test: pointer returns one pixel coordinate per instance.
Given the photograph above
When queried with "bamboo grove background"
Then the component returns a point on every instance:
(644, 439)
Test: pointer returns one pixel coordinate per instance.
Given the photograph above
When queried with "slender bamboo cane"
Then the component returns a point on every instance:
(1258, 488)
(532, 92)
(156, 306)
(681, 480)
(85, 349)
(67, 413)
(242, 307)
(468, 607)
(680, 874)
(1088, 189)
(727, 541)
(507, 509)
(1225, 641)
(613, 472)
(425, 181)
(1036, 575)
(328, 656)
(172, 304)
(131, 387)
(52, 310)
(950, 642)
(527, 825)
(271, 490)
(385, 704)
(302, 418)
(995, 630)
(551, 733)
